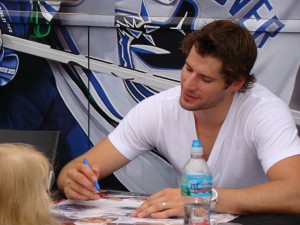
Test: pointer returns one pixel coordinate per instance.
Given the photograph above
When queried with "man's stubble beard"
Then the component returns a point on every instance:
(203, 106)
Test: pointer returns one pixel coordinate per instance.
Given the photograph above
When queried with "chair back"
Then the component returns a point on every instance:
(47, 142)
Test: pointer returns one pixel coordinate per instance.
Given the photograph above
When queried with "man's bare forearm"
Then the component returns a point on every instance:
(272, 197)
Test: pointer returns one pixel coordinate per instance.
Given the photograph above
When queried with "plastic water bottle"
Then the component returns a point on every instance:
(196, 188)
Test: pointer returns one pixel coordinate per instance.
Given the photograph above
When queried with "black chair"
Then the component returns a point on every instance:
(47, 142)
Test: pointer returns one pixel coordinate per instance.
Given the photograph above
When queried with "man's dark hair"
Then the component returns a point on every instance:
(233, 44)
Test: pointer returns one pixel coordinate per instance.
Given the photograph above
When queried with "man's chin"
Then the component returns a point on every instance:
(187, 106)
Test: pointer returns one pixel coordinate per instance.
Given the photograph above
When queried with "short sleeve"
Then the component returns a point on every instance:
(274, 134)
(137, 132)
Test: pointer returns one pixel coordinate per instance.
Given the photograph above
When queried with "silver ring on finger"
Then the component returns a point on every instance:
(163, 205)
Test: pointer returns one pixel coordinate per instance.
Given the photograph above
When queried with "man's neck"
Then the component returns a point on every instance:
(215, 116)
(208, 124)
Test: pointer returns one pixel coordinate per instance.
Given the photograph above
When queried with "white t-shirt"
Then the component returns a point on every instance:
(257, 132)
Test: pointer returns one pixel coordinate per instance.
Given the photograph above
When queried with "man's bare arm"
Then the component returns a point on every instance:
(76, 179)
(280, 195)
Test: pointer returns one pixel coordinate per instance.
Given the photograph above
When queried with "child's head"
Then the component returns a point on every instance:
(24, 197)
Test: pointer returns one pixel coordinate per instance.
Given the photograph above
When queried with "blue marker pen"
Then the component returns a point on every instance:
(96, 184)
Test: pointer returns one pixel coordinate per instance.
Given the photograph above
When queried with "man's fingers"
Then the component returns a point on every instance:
(83, 175)
(71, 194)
(75, 190)
(163, 204)
(147, 209)
(96, 170)
(171, 209)
(164, 214)
(78, 185)
(91, 173)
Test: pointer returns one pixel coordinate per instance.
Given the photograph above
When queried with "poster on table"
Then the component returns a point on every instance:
(115, 208)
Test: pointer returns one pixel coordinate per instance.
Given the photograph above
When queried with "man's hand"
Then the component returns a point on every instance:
(76, 179)
(79, 183)
(163, 204)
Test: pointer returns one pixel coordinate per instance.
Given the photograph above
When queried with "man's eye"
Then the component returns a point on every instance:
(206, 80)
(188, 68)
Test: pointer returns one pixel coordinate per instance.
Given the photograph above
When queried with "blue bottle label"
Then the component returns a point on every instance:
(196, 185)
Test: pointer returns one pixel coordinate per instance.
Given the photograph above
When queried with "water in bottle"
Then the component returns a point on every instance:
(196, 186)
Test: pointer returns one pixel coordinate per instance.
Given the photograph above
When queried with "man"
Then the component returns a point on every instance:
(248, 134)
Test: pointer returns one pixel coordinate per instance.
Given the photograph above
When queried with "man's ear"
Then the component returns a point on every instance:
(238, 84)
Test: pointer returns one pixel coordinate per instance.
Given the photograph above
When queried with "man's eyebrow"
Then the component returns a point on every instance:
(187, 63)
(201, 74)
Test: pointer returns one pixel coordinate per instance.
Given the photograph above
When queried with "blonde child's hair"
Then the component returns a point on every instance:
(24, 197)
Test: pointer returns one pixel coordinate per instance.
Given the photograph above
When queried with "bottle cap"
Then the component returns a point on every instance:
(197, 148)
(196, 144)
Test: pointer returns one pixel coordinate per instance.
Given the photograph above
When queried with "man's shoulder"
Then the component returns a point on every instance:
(260, 94)
(258, 101)
(171, 94)
(163, 100)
